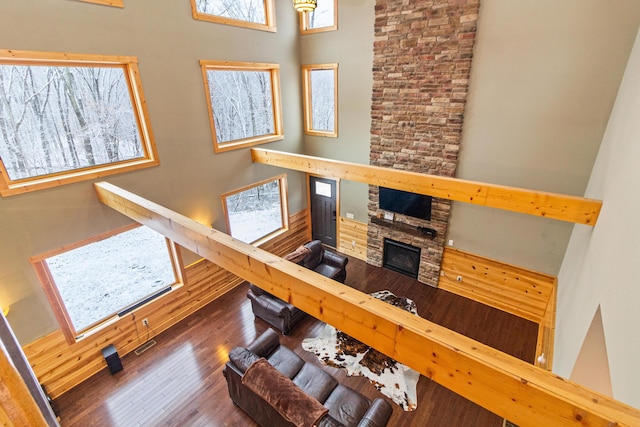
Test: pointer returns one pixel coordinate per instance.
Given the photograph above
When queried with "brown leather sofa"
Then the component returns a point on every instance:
(346, 407)
(281, 314)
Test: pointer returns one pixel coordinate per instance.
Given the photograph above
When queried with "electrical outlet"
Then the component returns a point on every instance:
(350, 215)
(353, 244)
(145, 322)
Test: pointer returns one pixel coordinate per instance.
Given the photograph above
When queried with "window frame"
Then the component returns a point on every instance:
(57, 303)
(276, 102)
(129, 64)
(304, 22)
(284, 207)
(269, 11)
(113, 3)
(308, 101)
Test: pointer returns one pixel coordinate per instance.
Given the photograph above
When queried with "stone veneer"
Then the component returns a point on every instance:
(421, 67)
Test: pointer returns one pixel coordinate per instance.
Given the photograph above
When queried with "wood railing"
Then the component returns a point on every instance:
(539, 203)
(511, 388)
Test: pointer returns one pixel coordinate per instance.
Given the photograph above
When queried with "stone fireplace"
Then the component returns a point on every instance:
(421, 68)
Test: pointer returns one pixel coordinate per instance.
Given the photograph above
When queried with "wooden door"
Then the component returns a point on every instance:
(323, 200)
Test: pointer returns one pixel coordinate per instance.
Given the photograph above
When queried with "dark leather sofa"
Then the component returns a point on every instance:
(346, 407)
(282, 315)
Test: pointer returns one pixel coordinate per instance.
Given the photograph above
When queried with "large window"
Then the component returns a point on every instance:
(244, 103)
(257, 14)
(258, 212)
(320, 91)
(94, 282)
(323, 18)
(66, 118)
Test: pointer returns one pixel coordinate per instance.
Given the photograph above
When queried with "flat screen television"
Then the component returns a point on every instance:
(405, 203)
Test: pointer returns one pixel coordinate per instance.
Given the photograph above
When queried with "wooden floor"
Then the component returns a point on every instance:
(179, 381)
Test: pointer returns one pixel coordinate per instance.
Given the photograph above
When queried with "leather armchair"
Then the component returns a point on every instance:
(282, 315)
(327, 263)
(278, 313)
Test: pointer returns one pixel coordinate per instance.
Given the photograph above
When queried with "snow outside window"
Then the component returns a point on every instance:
(323, 18)
(257, 14)
(320, 94)
(95, 281)
(68, 118)
(256, 213)
(244, 103)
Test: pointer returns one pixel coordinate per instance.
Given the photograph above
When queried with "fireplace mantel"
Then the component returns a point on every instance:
(413, 230)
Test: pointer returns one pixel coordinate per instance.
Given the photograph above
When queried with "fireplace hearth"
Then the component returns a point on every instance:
(400, 257)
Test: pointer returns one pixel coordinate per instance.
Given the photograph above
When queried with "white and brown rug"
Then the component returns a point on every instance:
(393, 379)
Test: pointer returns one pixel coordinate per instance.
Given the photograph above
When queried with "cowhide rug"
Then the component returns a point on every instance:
(393, 379)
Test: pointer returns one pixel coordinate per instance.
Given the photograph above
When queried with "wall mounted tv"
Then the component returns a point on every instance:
(405, 203)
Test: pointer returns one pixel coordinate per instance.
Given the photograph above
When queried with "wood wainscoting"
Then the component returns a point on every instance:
(516, 290)
(353, 238)
(60, 366)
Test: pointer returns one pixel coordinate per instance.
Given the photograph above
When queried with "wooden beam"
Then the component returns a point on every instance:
(539, 203)
(509, 387)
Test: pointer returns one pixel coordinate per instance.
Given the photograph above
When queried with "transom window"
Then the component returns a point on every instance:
(257, 14)
(258, 212)
(244, 103)
(320, 91)
(94, 282)
(323, 18)
(66, 118)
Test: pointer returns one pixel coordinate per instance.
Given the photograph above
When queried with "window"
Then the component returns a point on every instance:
(258, 212)
(257, 14)
(66, 118)
(115, 3)
(94, 282)
(320, 91)
(323, 18)
(244, 103)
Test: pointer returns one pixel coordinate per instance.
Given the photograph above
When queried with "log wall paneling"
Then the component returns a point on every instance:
(505, 385)
(60, 366)
(519, 291)
(353, 238)
(539, 203)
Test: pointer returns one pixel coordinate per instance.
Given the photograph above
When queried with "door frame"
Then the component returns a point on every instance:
(337, 181)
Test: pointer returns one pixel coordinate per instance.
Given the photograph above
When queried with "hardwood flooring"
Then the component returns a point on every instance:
(179, 381)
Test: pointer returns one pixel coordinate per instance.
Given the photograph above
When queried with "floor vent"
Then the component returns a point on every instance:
(144, 347)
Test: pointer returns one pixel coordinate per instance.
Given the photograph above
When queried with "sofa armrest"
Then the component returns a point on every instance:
(334, 259)
(265, 344)
(377, 415)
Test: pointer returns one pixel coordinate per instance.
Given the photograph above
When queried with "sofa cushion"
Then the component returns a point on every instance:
(327, 270)
(286, 361)
(242, 358)
(347, 406)
(315, 382)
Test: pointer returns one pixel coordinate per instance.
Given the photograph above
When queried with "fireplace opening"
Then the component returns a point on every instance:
(401, 257)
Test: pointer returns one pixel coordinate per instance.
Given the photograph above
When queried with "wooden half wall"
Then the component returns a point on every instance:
(60, 366)
(505, 385)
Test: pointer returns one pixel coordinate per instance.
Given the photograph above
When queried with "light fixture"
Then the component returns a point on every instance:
(304, 5)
